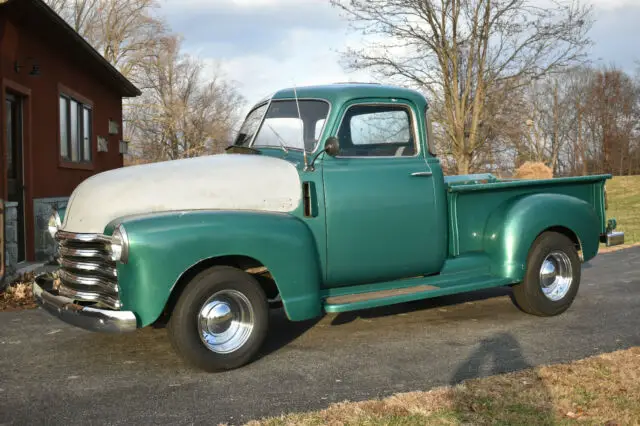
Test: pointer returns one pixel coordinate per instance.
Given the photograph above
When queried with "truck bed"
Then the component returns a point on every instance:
(471, 199)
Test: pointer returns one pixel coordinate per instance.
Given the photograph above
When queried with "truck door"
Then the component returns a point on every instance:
(381, 211)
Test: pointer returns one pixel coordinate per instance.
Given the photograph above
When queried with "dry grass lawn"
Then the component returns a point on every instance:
(602, 390)
(18, 296)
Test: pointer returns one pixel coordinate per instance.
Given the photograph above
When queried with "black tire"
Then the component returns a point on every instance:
(183, 324)
(529, 295)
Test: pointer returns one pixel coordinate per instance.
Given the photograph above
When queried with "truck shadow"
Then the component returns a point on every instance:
(150, 347)
(135, 348)
(505, 400)
(283, 332)
(422, 305)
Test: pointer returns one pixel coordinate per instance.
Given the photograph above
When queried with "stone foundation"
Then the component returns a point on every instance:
(10, 237)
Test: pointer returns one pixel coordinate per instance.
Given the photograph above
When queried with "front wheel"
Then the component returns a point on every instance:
(220, 320)
(552, 278)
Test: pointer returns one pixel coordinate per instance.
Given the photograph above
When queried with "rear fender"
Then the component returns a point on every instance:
(512, 229)
(164, 246)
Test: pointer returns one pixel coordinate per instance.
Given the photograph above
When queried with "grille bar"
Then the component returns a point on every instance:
(101, 268)
(74, 280)
(89, 296)
(87, 272)
(83, 238)
(84, 252)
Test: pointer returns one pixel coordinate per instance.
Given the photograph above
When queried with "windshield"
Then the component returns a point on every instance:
(283, 126)
(250, 125)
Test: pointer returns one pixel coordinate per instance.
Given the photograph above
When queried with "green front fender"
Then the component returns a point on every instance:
(162, 247)
(61, 213)
(514, 226)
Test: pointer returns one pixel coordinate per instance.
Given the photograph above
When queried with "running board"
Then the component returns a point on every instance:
(392, 295)
(373, 295)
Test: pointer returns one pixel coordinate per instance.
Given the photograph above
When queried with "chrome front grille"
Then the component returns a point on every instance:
(87, 272)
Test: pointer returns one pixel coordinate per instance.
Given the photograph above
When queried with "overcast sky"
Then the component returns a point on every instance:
(269, 44)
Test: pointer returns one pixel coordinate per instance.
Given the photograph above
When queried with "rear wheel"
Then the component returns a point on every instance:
(220, 320)
(552, 278)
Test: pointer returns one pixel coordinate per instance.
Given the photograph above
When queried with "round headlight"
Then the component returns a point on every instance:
(54, 224)
(119, 245)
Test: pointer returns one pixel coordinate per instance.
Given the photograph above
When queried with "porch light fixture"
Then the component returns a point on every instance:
(35, 67)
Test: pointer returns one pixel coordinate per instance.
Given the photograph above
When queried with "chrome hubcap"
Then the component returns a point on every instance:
(225, 321)
(556, 275)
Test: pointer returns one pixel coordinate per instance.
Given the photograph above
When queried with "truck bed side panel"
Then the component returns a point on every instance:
(482, 216)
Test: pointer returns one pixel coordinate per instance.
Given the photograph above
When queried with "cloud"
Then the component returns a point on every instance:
(613, 4)
(231, 28)
(265, 45)
(615, 34)
(308, 63)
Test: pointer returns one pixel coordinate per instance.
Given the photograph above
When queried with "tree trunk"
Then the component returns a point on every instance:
(464, 164)
(556, 132)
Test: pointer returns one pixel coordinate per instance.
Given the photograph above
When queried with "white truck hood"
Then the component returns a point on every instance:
(226, 181)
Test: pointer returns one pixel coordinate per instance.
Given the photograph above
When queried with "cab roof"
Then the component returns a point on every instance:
(344, 92)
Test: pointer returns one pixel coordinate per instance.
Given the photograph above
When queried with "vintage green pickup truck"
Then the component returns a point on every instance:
(331, 199)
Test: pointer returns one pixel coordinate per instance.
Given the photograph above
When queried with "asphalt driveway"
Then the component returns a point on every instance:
(54, 374)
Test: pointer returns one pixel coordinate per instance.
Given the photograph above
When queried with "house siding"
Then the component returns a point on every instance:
(47, 181)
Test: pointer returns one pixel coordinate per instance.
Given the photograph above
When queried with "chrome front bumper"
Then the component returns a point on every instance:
(101, 320)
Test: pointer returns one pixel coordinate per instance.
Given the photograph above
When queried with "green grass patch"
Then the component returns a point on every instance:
(623, 194)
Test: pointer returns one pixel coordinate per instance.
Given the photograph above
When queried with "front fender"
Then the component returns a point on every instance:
(513, 227)
(62, 211)
(162, 247)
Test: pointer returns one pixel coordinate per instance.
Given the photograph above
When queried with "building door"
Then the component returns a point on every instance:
(15, 175)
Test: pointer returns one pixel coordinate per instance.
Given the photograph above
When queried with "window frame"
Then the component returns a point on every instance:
(431, 141)
(83, 104)
(413, 127)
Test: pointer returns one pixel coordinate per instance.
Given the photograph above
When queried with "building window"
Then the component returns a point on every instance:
(75, 130)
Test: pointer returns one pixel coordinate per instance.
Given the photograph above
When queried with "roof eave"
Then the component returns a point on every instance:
(128, 89)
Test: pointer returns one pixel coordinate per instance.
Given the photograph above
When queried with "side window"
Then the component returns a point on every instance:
(319, 128)
(377, 131)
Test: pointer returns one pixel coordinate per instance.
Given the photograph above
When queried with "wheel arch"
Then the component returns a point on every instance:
(512, 231)
(245, 263)
(567, 232)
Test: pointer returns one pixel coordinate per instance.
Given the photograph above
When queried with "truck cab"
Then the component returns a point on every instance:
(330, 199)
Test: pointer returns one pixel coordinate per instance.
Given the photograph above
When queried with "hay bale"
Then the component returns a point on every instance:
(534, 170)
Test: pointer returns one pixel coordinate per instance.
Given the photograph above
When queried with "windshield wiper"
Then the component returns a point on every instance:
(280, 140)
(242, 149)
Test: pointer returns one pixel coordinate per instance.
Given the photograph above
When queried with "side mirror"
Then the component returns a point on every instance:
(332, 146)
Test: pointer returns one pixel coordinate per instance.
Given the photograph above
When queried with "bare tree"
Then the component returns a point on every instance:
(613, 116)
(596, 121)
(80, 14)
(463, 51)
(180, 114)
(127, 31)
(550, 120)
(123, 31)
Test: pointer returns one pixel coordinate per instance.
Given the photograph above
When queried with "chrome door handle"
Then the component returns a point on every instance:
(422, 174)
